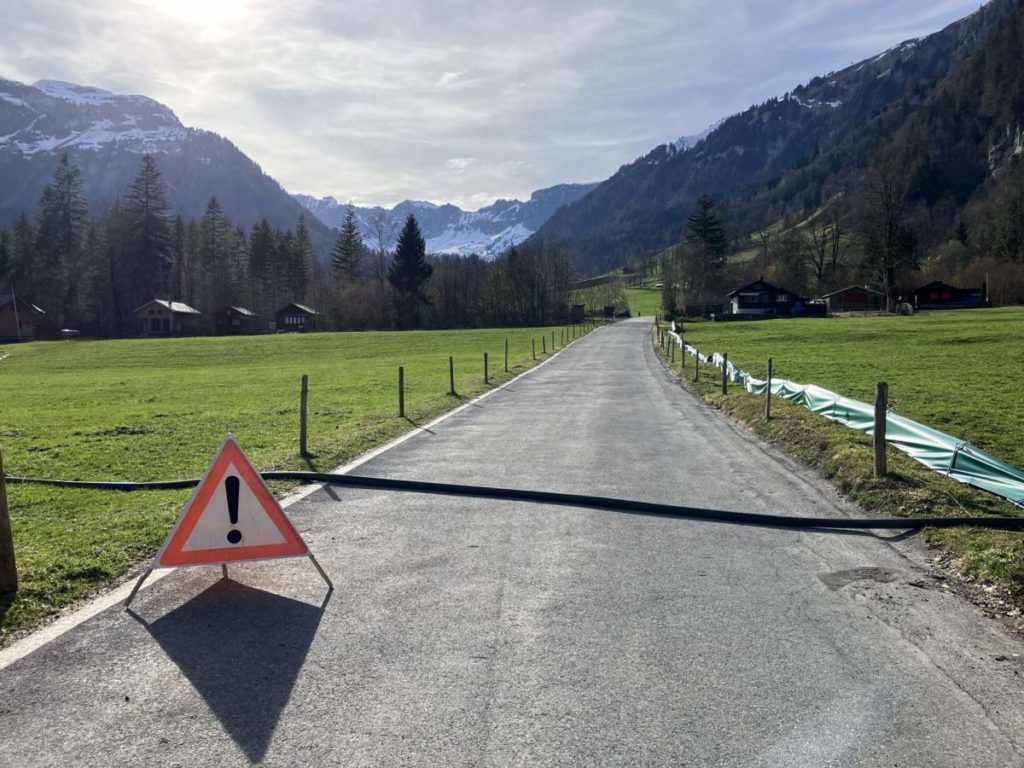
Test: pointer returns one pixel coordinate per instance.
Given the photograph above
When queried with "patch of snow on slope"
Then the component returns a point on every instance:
(14, 100)
(76, 94)
(687, 142)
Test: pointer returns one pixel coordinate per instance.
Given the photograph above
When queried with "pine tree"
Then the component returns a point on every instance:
(704, 229)
(261, 259)
(346, 257)
(5, 256)
(215, 258)
(148, 244)
(706, 247)
(408, 272)
(23, 256)
(179, 260)
(300, 259)
(62, 218)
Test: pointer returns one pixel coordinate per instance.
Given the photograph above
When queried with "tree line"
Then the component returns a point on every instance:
(91, 272)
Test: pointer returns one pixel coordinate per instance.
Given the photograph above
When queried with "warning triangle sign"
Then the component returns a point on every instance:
(232, 516)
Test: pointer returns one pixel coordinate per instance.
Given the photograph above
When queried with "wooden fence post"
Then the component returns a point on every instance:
(506, 354)
(533, 343)
(881, 404)
(561, 337)
(672, 353)
(543, 345)
(303, 401)
(768, 394)
(725, 374)
(8, 568)
(682, 351)
(553, 341)
(696, 365)
(486, 377)
(401, 391)
(451, 375)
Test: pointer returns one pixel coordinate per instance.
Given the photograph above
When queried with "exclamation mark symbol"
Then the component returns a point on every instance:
(231, 488)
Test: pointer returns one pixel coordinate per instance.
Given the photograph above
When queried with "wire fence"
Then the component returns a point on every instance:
(938, 451)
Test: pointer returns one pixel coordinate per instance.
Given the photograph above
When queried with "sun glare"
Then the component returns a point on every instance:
(204, 12)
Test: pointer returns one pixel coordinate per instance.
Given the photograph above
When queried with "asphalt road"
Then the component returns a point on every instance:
(478, 633)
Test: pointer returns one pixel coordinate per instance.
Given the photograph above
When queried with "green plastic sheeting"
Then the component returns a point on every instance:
(943, 453)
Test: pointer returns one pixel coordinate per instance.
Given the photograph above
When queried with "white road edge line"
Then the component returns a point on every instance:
(97, 605)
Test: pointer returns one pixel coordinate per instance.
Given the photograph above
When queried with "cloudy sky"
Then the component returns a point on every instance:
(382, 100)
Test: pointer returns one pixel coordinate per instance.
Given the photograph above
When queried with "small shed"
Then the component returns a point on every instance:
(233, 321)
(761, 298)
(855, 298)
(940, 295)
(577, 313)
(296, 317)
(21, 320)
(163, 317)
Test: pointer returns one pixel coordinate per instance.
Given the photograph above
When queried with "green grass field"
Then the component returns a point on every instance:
(956, 371)
(157, 409)
(643, 302)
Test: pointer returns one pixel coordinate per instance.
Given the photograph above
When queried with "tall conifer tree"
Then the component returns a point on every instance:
(408, 272)
(347, 255)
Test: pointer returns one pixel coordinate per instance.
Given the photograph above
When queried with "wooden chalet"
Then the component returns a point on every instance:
(855, 298)
(234, 321)
(296, 317)
(762, 299)
(940, 295)
(21, 320)
(162, 317)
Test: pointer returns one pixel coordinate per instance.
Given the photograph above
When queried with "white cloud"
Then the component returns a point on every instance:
(384, 101)
(460, 164)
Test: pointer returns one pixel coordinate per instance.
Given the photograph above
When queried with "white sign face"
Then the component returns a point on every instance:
(248, 524)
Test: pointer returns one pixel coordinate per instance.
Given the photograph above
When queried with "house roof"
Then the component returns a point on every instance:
(27, 304)
(938, 284)
(759, 286)
(303, 307)
(240, 310)
(178, 307)
(853, 288)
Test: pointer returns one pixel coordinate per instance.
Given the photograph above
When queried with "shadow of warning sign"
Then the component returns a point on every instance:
(242, 649)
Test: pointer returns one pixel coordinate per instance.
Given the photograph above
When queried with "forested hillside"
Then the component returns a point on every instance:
(644, 206)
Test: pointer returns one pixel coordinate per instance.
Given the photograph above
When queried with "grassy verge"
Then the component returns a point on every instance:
(157, 409)
(913, 355)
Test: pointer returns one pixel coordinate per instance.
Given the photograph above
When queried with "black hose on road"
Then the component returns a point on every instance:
(571, 500)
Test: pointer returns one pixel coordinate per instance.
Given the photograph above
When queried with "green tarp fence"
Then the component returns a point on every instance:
(938, 451)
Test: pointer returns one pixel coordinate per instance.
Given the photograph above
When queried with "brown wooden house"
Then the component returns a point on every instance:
(762, 299)
(296, 317)
(233, 321)
(21, 320)
(940, 295)
(855, 298)
(162, 317)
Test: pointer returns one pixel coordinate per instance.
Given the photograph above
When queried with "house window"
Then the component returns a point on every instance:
(781, 298)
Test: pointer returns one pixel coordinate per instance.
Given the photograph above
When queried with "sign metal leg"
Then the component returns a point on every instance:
(138, 586)
(320, 570)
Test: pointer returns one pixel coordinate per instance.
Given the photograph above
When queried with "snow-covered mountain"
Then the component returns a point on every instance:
(449, 229)
(106, 133)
